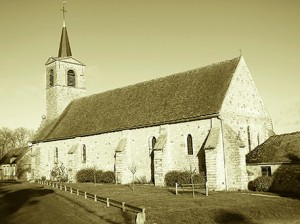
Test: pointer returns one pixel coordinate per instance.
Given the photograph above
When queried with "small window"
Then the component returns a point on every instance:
(56, 155)
(71, 78)
(83, 155)
(266, 171)
(190, 145)
(51, 78)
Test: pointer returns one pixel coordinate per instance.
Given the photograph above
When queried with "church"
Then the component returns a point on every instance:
(207, 118)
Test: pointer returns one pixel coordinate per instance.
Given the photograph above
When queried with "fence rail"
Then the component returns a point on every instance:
(191, 187)
(140, 212)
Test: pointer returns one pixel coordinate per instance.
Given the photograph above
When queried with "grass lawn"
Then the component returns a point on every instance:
(163, 206)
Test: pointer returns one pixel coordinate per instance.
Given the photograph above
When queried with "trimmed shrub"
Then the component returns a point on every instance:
(262, 183)
(85, 175)
(199, 178)
(182, 177)
(98, 176)
(92, 175)
(107, 177)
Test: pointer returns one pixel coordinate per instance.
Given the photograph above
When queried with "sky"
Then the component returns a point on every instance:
(126, 42)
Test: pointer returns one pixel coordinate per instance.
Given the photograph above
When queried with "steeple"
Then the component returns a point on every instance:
(64, 46)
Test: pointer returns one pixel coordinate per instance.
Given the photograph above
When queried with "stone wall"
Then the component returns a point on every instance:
(101, 151)
(235, 161)
(243, 107)
(101, 154)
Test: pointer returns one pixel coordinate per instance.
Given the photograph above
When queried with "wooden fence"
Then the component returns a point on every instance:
(140, 212)
(191, 187)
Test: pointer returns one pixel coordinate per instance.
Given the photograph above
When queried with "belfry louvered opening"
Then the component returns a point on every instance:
(71, 78)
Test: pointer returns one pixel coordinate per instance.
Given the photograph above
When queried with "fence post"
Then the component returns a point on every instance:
(206, 188)
(123, 206)
(71, 190)
(176, 190)
(85, 195)
(95, 198)
(65, 188)
(140, 217)
(77, 192)
(107, 202)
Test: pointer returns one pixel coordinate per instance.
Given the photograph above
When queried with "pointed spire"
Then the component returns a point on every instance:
(64, 47)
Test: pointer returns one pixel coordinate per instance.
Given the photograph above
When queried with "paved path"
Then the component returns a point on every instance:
(27, 203)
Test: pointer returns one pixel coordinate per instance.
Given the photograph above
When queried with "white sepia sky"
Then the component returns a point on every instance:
(125, 42)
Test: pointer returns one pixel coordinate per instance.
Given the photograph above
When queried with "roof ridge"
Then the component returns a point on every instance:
(291, 133)
(163, 77)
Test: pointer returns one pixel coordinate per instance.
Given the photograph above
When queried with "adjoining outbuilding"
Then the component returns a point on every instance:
(278, 157)
(16, 164)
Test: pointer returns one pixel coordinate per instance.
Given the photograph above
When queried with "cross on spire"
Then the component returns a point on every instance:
(64, 11)
(64, 47)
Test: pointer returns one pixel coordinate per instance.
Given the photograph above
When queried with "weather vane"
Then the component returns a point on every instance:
(64, 11)
(240, 52)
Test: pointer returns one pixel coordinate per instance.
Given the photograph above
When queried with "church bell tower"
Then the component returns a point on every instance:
(65, 77)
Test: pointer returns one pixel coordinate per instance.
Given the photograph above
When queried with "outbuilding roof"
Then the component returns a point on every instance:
(15, 154)
(180, 97)
(283, 148)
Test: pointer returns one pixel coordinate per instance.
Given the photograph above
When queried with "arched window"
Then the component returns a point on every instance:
(249, 137)
(190, 144)
(56, 155)
(153, 142)
(71, 78)
(51, 78)
(83, 154)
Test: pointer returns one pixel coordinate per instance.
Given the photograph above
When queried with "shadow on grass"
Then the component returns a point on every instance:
(128, 217)
(224, 216)
(295, 196)
(119, 217)
(11, 201)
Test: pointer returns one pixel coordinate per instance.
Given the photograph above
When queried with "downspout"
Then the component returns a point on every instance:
(224, 155)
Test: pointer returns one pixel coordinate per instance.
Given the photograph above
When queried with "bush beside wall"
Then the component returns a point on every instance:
(183, 177)
(92, 175)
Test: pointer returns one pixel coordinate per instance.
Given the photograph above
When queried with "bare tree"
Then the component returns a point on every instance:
(192, 171)
(133, 169)
(10, 139)
(22, 136)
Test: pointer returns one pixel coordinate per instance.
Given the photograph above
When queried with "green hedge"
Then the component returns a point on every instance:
(183, 177)
(92, 175)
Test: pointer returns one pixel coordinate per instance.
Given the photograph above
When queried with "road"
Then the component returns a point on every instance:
(27, 203)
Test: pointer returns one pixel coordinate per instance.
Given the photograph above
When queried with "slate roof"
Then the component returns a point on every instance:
(185, 96)
(64, 46)
(18, 153)
(283, 148)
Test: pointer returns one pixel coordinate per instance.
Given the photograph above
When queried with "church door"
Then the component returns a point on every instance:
(153, 142)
